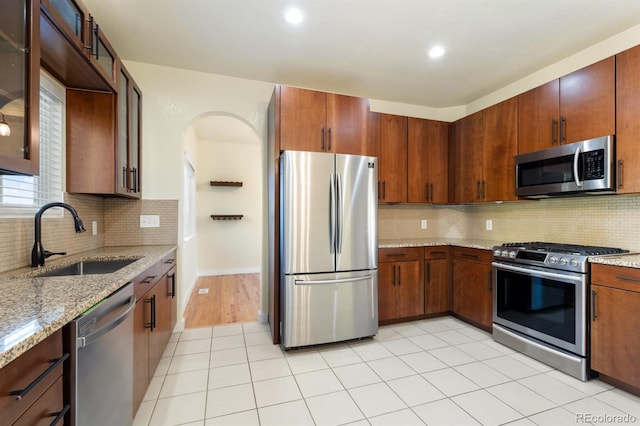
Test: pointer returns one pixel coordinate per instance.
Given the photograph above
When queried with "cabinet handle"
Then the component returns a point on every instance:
(477, 189)
(438, 253)
(384, 189)
(152, 312)
(426, 191)
(379, 197)
(172, 294)
(471, 256)
(19, 394)
(134, 179)
(124, 176)
(554, 128)
(489, 275)
(90, 46)
(329, 145)
(60, 415)
(97, 54)
(594, 313)
(396, 254)
(563, 130)
(620, 166)
(399, 275)
(429, 272)
(169, 261)
(431, 196)
(483, 193)
(635, 280)
(394, 275)
(323, 138)
(148, 279)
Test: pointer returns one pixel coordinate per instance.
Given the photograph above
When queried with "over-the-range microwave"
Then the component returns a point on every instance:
(586, 167)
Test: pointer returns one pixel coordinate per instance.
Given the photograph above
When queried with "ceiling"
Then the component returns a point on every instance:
(369, 48)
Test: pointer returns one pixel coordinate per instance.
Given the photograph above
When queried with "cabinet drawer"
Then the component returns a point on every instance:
(436, 252)
(168, 262)
(616, 276)
(472, 255)
(46, 409)
(400, 254)
(25, 371)
(143, 282)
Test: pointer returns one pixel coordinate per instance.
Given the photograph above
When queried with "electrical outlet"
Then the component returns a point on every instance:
(149, 221)
(423, 224)
(94, 227)
(489, 225)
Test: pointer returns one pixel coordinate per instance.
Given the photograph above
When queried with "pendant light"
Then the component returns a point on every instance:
(5, 130)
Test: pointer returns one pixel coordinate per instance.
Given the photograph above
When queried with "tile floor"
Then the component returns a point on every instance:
(436, 372)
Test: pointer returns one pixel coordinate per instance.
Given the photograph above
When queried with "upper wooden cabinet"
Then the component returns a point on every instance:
(325, 122)
(427, 161)
(627, 122)
(576, 107)
(392, 163)
(72, 18)
(19, 86)
(466, 159)
(484, 145)
(128, 135)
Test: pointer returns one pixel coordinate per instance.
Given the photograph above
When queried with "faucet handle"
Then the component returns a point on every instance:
(48, 253)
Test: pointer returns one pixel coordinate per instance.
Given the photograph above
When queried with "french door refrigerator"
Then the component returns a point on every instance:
(329, 252)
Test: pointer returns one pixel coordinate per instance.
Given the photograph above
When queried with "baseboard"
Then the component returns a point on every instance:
(263, 317)
(213, 272)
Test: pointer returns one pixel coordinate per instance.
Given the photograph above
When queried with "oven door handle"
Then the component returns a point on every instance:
(537, 273)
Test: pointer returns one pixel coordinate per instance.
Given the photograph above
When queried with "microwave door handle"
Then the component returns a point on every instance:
(576, 159)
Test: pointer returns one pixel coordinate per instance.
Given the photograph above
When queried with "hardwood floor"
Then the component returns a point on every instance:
(231, 298)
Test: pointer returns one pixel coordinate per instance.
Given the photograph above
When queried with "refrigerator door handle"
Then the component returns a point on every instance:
(332, 203)
(338, 281)
(339, 213)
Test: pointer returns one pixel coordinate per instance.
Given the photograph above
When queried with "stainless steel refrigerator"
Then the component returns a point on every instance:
(329, 253)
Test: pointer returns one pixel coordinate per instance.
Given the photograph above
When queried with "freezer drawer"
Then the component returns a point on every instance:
(324, 308)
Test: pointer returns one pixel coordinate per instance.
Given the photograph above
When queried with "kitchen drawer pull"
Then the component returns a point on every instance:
(471, 256)
(60, 415)
(620, 166)
(635, 280)
(395, 254)
(148, 279)
(594, 312)
(438, 253)
(19, 394)
(169, 261)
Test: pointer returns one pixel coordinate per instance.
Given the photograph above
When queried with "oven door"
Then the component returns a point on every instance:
(548, 306)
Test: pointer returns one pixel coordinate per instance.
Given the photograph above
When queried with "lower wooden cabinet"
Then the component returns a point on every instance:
(437, 285)
(38, 375)
(615, 303)
(472, 285)
(400, 283)
(154, 320)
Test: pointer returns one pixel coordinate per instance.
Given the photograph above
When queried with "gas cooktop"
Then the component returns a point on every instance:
(566, 257)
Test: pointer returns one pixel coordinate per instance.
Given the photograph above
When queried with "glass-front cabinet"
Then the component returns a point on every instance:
(72, 18)
(102, 55)
(19, 87)
(128, 144)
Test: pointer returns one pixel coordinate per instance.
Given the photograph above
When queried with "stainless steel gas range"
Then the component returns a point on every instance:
(540, 302)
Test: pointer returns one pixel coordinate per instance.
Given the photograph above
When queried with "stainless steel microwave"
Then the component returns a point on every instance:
(586, 167)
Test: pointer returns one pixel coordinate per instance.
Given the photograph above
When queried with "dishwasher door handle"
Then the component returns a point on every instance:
(81, 342)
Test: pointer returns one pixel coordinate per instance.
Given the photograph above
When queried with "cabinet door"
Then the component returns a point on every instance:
(627, 123)
(386, 291)
(409, 289)
(20, 85)
(348, 125)
(538, 115)
(158, 333)
(467, 159)
(472, 291)
(587, 102)
(45, 409)
(303, 120)
(141, 377)
(393, 159)
(437, 288)
(427, 160)
(614, 333)
(72, 18)
(128, 135)
(102, 55)
(499, 146)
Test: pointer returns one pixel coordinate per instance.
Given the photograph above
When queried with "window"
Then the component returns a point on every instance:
(23, 195)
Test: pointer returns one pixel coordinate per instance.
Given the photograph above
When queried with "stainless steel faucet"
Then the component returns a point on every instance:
(38, 253)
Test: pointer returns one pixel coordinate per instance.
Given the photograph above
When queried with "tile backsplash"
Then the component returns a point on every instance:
(606, 220)
(118, 223)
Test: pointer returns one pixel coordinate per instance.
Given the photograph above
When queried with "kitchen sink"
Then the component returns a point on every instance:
(89, 267)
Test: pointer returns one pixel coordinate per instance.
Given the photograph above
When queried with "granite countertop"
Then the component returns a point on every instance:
(426, 242)
(33, 308)
(629, 260)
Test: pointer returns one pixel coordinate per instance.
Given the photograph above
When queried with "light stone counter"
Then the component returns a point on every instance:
(31, 309)
(630, 260)
(430, 242)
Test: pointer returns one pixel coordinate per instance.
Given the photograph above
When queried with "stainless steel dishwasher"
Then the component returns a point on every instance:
(101, 373)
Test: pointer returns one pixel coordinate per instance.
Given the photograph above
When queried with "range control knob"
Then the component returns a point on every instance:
(497, 252)
(574, 263)
(553, 260)
(505, 253)
(563, 261)
(512, 254)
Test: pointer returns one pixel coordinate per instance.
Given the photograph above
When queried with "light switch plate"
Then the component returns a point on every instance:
(489, 224)
(149, 221)
(423, 224)
(94, 227)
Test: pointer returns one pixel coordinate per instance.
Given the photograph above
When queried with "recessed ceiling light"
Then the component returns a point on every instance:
(436, 52)
(294, 16)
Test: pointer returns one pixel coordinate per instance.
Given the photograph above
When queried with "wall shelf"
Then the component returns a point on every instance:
(226, 216)
(224, 183)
